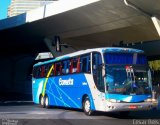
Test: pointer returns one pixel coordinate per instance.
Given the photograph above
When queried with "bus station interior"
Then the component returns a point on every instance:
(103, 23)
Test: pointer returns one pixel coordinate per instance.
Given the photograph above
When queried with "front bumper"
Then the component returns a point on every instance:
(130, 106)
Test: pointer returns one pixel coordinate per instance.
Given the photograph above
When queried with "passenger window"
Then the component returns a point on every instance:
(38, 74)
(71, 66)
(58, 69)
(52, 72)
(46, 70)
(75, 65)
(78, 64)
(35, 72)
(42, 70)
(85, 64)
(65, 67)
(74, 69)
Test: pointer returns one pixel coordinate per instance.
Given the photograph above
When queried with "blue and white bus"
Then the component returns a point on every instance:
(100, 79)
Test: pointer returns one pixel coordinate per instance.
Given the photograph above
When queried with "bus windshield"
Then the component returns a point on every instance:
(127, 80)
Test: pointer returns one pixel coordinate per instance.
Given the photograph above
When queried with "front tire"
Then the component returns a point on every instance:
(87, 107)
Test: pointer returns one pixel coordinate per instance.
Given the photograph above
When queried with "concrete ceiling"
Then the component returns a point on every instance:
(152, 7)
(103, 23)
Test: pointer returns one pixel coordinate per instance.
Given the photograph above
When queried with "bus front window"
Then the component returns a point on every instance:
(123, 80)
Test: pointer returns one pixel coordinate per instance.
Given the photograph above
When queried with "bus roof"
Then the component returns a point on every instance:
(81, 52)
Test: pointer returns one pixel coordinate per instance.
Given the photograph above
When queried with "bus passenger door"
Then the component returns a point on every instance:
(97, 71)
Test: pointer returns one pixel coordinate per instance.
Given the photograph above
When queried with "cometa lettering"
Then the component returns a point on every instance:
(66, 82)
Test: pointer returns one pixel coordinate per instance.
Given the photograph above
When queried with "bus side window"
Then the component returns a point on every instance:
(75, 65)
(42, 71)
(63, 67)
(46, 70)
(74, 69)
(78, 65)
(85, 64)
(84, 67)
(55, 66)
(38, 72)
(58, 68)
(52, 72)
(71, 66)
(67, 66)
(88, 64)
(34, 72)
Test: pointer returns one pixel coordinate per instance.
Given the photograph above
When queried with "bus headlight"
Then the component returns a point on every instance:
(113, 100)
(148, 100)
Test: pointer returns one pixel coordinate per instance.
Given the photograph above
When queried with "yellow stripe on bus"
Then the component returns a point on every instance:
(46, 80)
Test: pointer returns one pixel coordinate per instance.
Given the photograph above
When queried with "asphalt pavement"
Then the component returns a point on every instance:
(27, 113)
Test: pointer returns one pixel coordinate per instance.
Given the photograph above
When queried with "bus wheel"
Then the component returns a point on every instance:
(46, 102)
(87, 107)
(42, 99)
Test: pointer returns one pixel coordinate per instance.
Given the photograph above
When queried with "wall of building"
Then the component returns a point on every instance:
(22, 6)
(15, 75)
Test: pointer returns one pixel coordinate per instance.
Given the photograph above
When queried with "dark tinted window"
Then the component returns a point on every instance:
(85, 64)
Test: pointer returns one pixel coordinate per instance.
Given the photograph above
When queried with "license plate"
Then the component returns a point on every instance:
(133, 107)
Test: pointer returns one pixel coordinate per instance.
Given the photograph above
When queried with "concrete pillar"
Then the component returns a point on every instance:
(156, 23)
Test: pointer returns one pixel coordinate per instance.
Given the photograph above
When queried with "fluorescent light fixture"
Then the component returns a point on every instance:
(156, 23)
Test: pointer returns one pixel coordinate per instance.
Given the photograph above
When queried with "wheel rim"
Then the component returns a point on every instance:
(46, 101)
(42, 100)
(87, 106)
